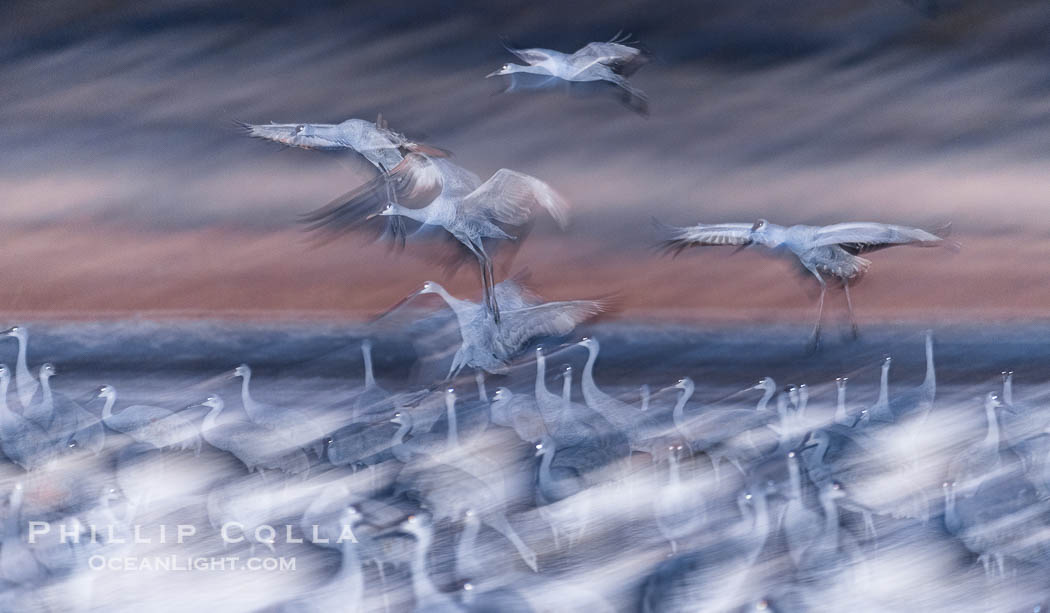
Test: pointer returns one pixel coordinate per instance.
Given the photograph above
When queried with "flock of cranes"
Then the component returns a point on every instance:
(771, 498)
(469, 502)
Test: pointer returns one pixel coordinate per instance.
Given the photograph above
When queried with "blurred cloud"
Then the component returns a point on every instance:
(118, 116)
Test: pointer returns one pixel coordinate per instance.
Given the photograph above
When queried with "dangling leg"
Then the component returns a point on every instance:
(479, 377)
(814, 341)
(849, 305)
(396, 223)
(491, 281)
(487, 296)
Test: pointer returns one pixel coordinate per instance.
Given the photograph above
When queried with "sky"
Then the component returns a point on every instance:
(128, 190)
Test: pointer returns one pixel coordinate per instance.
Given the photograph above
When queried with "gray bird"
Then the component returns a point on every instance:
(294, 425)
(488, 346)
(71, 424)
(257, 447)
(23, 441)
(380, 146)
(611, 61)
(156, 426)
(469, 210)
(25, 384)
(376, 142)
(833, 250)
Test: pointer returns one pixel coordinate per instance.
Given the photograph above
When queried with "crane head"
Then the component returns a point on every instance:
(502, 70)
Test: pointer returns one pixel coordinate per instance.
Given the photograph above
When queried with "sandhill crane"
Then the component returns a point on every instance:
(833, 250)
(611, 61)
(382, 147)
(488, 346)
(470, 210)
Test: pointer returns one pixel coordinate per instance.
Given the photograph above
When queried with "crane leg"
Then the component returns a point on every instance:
(396, 224)
(491, 289)
(487, 295)
(479, 377)
(814, 341)
(849, 306)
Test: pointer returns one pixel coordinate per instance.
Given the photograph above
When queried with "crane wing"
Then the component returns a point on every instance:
(623, 60)
(862, 237)
(415, 181)
(517, 327)
(530, 56)
(512, 293)
(676, 239)
(510, 197)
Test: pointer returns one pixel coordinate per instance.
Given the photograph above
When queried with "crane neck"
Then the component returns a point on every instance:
(246, 394)
(366, 351)
(466, 564)
(782, 408)
(678, 415)
(761, 528)
(45, 389)
(767, 395)
(7, 416)
(884, 385)
(420, 214)
(796, 479)
(453, 434)
(587, 384)
(841, 416)
(930, 382)
(1008, 390)
(402, 430)
(544, 398)
(529, 68)
(421, 585)
(673, 476)
(209, 419)
(350, 580)
(107, 408)
(566, 390)
(23, 377)
(459, 307)
(991, 439)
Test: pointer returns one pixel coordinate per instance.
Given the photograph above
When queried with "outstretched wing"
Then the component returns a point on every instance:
(510, 197)
(675, 239)
(862, 237)
(512, 293)
(530, 56)
(415, 181)
(623, 60)
(519, 326)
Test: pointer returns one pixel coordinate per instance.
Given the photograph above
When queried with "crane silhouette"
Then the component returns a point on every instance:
(832, 251)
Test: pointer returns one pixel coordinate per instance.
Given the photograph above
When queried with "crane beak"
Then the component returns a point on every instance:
(494, 73)
(397, 305)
